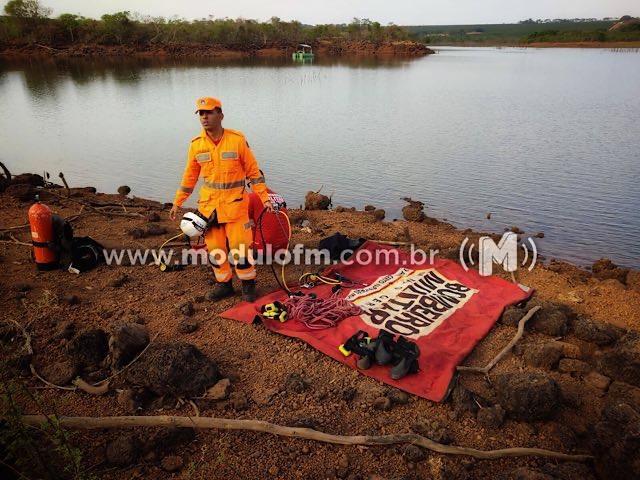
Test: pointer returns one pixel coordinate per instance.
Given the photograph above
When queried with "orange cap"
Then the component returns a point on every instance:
(207, 103)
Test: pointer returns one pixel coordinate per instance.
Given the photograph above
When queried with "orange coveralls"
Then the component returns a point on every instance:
(224, 168)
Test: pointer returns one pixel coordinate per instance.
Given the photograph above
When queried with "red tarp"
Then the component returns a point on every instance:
(445, 309)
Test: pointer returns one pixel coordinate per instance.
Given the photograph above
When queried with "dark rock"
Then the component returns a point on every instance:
(127, 400)
(398, 397)
(568, 471)
(516, 230)
(123, 451)
(595, 332)
(605, 269)
(316, 201)
(137, 232)
(622, 363)
(413, 453)
(70, 299)
(28, 179)
(124, 190)
(175, 368)
(186, 309)
(369, 208)
(512, 316)
(528, 396)
(60, 373)
(340, 209)
(620, 392)
(572, 391)
(9, 332)
(434, 430)
(167, 440)
(153, 217)
(126, 342)
(89, 348)
(491, 417)
(571, 365)
(414, 211)
(65, 330)
(379, 214)
(617, 440)
(119, 281)
(551, 321)
(570, 350)
(633, 280)
(22, 287)
(348, 394)
(172, 463)
(524, 473)
(155, 230)
(464, 400)
(188, 326)
(294, 383)
(238, 401)
(382, 403)
(597, 380)
(544, 355)
(21, 192)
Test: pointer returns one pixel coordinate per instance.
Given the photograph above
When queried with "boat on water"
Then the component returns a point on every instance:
(304, 53)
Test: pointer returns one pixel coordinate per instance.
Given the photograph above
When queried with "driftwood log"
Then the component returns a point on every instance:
(88, 423)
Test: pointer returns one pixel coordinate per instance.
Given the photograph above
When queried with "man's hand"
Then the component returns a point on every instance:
(173, 212)
(269, 206)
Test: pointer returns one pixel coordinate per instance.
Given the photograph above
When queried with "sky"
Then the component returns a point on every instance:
(401, 12)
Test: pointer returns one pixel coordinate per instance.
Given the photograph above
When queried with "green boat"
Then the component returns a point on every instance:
(303, 53)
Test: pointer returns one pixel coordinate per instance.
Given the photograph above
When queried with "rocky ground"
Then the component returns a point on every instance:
(571, 384)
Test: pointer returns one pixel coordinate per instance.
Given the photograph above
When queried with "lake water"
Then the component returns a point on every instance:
(545, 139)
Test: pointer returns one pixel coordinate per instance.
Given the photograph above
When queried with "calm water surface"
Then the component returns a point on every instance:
(548, 140)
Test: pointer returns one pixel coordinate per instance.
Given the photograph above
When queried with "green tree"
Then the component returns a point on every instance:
(118, 25)
(70, 23)
(26, 9)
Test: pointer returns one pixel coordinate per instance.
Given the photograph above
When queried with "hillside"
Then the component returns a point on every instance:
(526, 32)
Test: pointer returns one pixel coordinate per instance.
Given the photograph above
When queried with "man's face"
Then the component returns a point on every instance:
(211, 119)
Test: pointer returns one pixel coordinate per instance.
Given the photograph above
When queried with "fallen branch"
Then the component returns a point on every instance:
(98, 209)
(64, 182)
(505, 350)
(308, 433)
(6, 171)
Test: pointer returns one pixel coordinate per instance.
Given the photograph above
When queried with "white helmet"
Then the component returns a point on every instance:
(193, 225)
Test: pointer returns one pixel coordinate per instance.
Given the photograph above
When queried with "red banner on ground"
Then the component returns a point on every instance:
(442, 307)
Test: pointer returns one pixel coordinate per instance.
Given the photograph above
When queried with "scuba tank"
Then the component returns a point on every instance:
(42, 236)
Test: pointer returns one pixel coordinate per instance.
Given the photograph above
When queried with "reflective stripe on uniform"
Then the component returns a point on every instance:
(186, 189)
(258, 180)
(248, 274)
(224, 186)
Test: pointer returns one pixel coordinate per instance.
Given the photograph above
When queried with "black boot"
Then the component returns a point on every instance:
(221, 290)
(405, 358)
(384, 346)
(249, 290)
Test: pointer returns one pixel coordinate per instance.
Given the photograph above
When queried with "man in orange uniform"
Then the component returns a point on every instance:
(223, 159)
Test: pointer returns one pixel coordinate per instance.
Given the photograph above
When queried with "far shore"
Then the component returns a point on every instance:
(635, 44)
(324, 48)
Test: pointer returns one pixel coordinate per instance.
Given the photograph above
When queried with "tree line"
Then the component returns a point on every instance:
(28, 21)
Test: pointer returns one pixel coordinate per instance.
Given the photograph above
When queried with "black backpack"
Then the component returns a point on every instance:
(81, 253)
